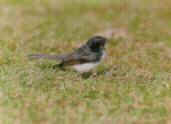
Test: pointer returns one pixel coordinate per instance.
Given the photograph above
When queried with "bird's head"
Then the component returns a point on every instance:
(97, 43)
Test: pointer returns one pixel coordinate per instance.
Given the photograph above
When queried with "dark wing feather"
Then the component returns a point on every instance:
(80, 56)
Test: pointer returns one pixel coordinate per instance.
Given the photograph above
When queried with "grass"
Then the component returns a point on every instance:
(133, 85)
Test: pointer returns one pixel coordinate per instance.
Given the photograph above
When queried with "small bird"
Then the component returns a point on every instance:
(83, 59)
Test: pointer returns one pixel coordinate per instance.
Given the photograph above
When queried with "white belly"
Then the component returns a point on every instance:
(85, 67)
(88, 66)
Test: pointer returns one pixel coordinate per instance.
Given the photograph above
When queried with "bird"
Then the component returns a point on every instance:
(83, 59)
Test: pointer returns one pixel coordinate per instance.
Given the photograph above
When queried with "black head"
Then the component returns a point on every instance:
(97, 43)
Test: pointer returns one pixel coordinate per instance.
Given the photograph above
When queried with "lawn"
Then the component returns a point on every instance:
(132, 85)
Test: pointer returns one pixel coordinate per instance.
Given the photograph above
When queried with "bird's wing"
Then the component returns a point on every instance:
(82, 55)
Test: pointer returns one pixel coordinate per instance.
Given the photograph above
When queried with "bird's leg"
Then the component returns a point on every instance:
(94, 74)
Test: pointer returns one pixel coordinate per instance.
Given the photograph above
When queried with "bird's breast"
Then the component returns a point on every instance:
(85, 67)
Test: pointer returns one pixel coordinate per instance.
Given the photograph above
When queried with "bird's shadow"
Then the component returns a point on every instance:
(95, 74)
(44, 66)
(86, 75)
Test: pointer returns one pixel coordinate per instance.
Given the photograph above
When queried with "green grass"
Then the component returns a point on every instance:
(132, 86)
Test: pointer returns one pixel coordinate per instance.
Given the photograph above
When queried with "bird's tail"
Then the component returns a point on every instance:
(45, 56)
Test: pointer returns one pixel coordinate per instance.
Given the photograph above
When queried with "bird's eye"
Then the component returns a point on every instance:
(96, 43)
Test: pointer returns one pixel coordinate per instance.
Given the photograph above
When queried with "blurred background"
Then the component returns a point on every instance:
(133, 87)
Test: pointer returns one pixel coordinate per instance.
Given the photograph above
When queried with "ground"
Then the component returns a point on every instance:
(132, 85)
